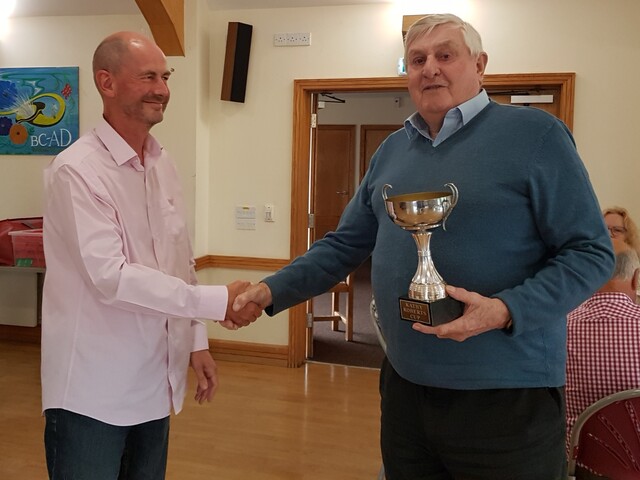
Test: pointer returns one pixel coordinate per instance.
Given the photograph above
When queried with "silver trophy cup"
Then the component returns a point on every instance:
(420, 213)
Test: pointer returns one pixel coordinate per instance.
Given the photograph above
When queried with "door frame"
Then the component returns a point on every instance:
(302, 109)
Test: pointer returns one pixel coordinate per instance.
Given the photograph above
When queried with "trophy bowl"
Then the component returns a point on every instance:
(420, 211)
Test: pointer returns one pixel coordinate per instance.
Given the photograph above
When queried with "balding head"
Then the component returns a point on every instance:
(116, 49)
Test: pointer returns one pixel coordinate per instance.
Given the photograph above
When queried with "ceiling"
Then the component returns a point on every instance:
(47, 8)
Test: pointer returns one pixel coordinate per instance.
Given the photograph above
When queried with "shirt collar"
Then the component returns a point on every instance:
(620, 297)
(455, 119)
(120, 150)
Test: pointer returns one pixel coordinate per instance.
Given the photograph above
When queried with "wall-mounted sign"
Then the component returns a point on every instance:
(38, 110)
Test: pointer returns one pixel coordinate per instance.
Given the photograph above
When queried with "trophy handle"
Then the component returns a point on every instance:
(454, 201)
(385, 187)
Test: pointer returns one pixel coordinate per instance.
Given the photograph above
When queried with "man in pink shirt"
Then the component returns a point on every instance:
(121, 300)
(603, 339)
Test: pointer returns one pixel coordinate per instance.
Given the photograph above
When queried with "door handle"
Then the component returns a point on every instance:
(343, 192)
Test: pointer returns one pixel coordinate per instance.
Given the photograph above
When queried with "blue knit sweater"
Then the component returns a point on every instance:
(527, 229)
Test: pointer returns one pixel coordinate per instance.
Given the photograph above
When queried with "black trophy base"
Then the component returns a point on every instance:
(430, 313)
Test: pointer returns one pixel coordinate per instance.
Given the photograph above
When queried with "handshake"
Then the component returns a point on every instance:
(246, 303)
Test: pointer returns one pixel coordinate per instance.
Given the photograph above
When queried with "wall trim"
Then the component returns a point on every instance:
(259, 353)
(245, 352)
(17, 333)
(242, 263)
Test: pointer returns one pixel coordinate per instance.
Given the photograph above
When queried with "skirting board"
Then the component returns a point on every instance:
(261, 354)
(245, 352)
(13, 333)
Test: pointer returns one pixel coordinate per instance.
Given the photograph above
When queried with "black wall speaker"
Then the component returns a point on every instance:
(236, 62)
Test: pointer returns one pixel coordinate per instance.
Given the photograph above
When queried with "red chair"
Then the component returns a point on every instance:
(605, 439)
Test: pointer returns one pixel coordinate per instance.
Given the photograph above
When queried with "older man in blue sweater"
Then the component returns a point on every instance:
(480, 397)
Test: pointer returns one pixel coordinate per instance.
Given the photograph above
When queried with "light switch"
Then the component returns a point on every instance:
(269, 213)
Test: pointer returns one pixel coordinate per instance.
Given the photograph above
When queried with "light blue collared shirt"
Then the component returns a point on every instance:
(454, 120)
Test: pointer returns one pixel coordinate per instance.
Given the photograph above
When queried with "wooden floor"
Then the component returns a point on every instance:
(317, 422)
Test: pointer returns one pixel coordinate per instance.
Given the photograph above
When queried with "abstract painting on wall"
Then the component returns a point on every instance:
(38, 110)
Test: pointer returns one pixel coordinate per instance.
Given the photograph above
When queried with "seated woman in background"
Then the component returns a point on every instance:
(622, 227)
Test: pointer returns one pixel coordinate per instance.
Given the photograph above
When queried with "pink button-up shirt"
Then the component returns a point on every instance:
(120, 296)
(603, 351)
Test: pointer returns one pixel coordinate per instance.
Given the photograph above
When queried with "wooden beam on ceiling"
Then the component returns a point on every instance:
(166, 20)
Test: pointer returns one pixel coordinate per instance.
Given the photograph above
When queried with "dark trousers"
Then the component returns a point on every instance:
(442, 434)
(82, 448)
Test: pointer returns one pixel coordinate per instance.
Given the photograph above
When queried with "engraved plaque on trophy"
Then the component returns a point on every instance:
(419, 213)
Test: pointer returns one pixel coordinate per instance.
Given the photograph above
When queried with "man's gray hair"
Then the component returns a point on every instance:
(627, 262)
(427, 23)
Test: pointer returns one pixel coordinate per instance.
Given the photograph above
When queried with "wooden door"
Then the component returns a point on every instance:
(332, 180)
(371, 136)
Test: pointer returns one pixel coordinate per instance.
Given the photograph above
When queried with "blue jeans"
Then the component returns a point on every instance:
(81, 448)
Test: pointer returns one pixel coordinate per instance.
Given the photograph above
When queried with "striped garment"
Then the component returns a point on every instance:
(603, 350)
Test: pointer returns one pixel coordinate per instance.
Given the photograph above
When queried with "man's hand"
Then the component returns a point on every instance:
(481, 314)
(206, 374)
(235, 319)
(259, 294)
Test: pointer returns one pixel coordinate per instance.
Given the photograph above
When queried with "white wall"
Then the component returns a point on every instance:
(599, 41)
(41, 42)
(70, 41)
(230, 153)
(251, 142)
